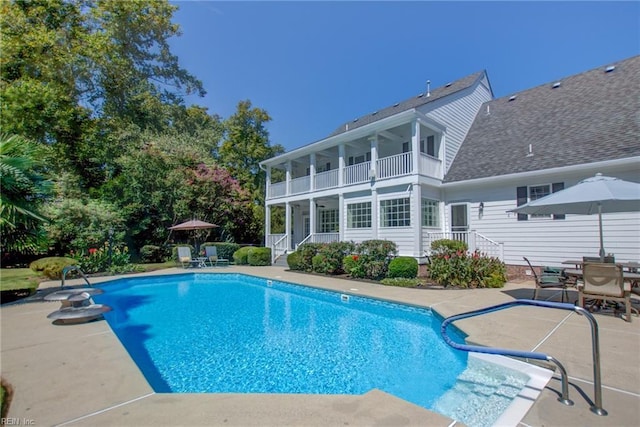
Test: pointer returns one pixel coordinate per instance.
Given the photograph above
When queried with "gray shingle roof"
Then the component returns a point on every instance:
(590, 117)
(410, 103)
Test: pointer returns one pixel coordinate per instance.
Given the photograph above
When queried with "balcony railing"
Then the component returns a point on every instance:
(387, 167)
(278, 189)
(328, 179)
(357, 173)
(300, 185)
(430, 166)
(398, 165)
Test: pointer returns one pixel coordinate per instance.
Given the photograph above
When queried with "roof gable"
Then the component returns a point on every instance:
(411, 103)
(588, 117)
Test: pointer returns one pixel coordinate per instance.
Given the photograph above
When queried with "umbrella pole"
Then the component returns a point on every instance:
(600, 226)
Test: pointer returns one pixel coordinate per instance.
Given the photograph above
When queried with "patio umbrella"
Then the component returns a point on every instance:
(191, 225)
(599, 194)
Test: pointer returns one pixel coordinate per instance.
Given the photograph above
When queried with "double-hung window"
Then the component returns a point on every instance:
(535, 192)
(329, 220)
(430, 213)
(428, 146)
(395, 212)
(359, 215)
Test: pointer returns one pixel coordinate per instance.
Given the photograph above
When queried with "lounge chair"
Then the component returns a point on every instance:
(549, 281)
(184, 256)
(211, 252)
(605, 281)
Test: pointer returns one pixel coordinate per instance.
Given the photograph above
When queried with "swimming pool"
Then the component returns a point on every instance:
(232, 333)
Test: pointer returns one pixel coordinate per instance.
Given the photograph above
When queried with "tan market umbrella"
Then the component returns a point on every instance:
(191, 225)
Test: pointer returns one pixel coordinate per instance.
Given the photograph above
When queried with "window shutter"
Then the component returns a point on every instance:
(557, 186)
(521, 194)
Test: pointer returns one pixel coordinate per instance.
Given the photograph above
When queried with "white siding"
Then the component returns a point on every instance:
(546, 241)
(457, 115)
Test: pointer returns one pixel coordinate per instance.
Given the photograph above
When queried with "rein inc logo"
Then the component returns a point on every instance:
(17, 421)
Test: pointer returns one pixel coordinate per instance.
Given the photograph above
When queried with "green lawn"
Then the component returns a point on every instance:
(24, 280)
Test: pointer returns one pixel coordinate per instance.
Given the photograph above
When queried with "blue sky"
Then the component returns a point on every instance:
(315, 65)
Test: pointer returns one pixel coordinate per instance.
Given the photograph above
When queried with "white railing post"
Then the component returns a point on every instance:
(340, 165)
(415, 147)
(472, 241)
(312, 171)
(288, 178)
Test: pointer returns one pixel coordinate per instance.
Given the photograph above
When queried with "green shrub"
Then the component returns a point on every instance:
(349, 262)
(293, 260)
(400, 281)
(467, 271)
(152, 253)
(333, 254)
(240, 257)
(51, 267)
(307, 252)
(259, 256)
(448, 246)
(319, 263)
(373, 259)
(406, 267)
(224, 249)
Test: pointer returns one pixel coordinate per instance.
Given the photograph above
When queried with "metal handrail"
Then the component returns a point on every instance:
(595, 345)
(73, 268)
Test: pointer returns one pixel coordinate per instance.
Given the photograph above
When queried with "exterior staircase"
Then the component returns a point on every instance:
(281, 261)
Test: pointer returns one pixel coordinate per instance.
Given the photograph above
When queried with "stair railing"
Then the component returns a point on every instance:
(595, 346)
(69, 268)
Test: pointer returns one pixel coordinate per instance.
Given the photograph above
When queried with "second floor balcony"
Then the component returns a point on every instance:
(389, 167)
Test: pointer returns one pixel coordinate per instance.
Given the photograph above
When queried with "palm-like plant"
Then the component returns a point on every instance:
(23, 191)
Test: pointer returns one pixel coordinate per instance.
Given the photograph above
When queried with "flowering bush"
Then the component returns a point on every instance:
(467, 271)
(99, 260)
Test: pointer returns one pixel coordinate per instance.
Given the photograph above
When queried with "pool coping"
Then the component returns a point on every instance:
(621, 395)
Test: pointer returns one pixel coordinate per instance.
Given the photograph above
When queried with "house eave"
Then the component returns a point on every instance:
(629, 161)
(350, 135)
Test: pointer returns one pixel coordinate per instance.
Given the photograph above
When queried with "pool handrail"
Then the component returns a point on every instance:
(595, 345)
(69, 268)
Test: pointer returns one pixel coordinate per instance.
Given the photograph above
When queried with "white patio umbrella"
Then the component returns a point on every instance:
(599, 194)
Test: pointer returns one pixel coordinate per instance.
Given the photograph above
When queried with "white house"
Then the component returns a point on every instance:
(450, 162)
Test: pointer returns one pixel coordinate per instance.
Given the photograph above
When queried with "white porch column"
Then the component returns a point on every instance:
(267, 223)
(287, 223)
(374, 154)
(312, 216)
(340, 166)
(416, 221)
(288, 180)
(341, 216)
(267, 184)
(374, 212)
(312, 171)
(415, 147)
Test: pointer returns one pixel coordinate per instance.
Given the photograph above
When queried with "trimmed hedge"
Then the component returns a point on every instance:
(400, 282)
(152, 253)
(259, 256)
(241, 256)
(448, 246)
(403, 266)
(52, 267)
(293, 260)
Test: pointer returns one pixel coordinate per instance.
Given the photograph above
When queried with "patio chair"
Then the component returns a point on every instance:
(605, 282)
(609, 259)
(184, 256)
(549, 281)
(211, 252)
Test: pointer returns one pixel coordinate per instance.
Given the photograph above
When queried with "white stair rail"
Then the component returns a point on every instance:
(279, 248)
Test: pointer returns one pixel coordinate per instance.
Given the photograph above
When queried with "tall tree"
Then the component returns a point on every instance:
(75, 71)
(246, 144)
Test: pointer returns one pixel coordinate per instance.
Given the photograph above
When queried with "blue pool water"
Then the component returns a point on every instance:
(231, 333)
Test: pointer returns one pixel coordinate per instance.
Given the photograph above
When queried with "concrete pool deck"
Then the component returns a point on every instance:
(81, 375)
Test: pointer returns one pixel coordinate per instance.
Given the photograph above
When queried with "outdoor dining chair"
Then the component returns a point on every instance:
(605, 282)
(549, 281)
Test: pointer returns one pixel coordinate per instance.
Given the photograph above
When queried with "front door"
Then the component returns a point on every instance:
(459, 222)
